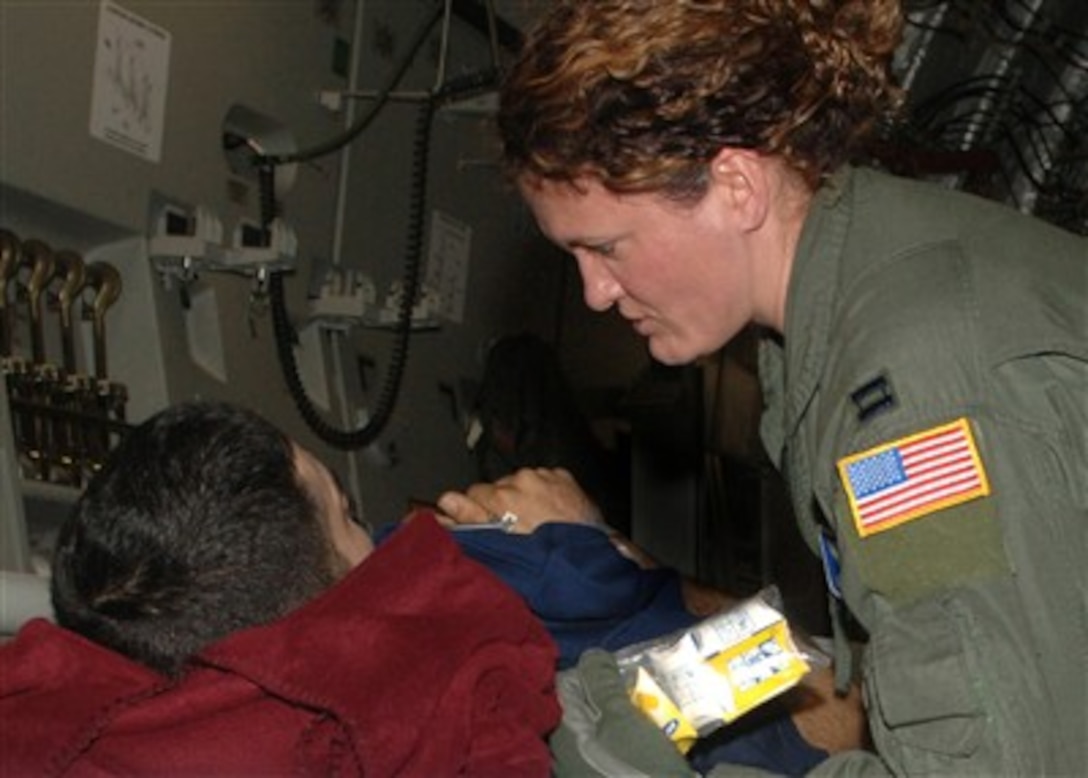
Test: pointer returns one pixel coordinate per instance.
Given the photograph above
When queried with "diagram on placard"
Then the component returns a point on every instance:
(132, 64)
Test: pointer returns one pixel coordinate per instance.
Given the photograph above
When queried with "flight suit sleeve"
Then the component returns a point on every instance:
(973, 594)
(602, 733)
(945, 451)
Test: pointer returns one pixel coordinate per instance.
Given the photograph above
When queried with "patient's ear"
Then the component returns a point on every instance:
(740, 177)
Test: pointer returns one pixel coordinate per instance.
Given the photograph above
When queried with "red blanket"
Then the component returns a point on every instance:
(419, 663)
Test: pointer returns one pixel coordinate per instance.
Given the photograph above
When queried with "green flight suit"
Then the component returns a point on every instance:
(911, 307)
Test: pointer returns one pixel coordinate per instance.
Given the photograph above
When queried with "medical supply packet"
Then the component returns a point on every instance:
(693, 681)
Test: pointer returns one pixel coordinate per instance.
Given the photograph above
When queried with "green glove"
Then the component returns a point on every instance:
(602, 733)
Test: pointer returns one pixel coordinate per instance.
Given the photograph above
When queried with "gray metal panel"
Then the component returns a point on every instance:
(14, 544)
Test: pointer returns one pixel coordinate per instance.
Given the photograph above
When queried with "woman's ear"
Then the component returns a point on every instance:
(740, 177)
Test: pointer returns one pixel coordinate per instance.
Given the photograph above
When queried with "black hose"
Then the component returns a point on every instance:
(381, 98)
(285, 335)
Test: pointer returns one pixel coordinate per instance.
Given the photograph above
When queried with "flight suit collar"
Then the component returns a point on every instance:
(790, 368)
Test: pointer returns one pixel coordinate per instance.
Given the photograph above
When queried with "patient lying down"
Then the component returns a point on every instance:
(220, 611)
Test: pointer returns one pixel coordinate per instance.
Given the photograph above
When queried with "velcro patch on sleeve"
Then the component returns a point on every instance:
(913, 477)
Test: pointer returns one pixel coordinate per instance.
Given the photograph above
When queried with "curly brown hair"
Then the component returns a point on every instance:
(642, 94)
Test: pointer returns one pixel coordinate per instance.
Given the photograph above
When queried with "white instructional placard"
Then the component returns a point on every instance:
(447, 264)
(131, 71)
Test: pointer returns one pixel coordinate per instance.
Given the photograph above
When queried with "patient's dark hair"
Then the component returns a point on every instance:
(196, 527)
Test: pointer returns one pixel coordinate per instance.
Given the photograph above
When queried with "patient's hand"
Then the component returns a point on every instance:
(534, 495)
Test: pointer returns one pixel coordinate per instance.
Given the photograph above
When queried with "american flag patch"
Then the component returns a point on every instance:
(912, 477)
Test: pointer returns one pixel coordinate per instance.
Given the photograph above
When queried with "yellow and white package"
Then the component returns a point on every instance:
(693, 681)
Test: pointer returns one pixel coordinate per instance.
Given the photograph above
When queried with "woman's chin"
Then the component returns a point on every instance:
(668, 351)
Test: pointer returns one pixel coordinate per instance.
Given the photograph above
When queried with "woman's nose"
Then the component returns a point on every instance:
(599, 288)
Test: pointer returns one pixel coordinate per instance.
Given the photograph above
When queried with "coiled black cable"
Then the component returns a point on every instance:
(285, 334)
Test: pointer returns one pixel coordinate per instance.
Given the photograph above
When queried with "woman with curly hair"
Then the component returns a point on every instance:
(924, 359)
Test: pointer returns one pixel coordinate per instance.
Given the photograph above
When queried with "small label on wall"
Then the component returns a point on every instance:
(447, 264)
(131, 71)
